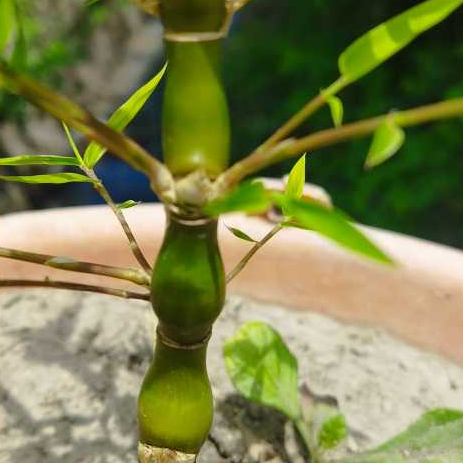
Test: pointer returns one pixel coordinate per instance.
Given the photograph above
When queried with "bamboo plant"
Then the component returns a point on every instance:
(187, 284)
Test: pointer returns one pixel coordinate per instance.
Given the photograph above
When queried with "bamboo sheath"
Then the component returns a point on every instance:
(175, 405)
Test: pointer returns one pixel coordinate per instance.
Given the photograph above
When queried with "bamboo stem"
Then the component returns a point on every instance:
(64, 263)
(74, 287)
(242, 263)
(292, 147)
(134, 247)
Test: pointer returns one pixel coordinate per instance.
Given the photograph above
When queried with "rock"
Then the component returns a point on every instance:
(71, 366)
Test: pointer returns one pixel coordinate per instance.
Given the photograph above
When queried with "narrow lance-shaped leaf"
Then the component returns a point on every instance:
(240, 234)
(263, 369)
(7, 21)
(128, 204)
(332, 224)
(436, 437)
(336, 109)
(385, 40)
(39, 160)
(249, 197)
(19, 56)
(387, 140)
(296, 180)
(123, 116)
(64, 177)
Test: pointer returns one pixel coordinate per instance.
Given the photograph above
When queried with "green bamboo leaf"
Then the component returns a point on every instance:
(65, 177)
(332, 224)
(387, 140)
(437, 437)
(333, 431)
(385, 40)
(19, 56)
(336, 109)
(39, 160)
(249, 197)
(263, 369)
(128, 204)
(123, 116)
(241, 235)
(7, 21)
(296, 180)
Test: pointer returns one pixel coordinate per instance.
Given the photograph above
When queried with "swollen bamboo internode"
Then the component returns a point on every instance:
(187, 292)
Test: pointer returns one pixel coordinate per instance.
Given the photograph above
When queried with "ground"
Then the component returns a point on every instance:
(71, 366)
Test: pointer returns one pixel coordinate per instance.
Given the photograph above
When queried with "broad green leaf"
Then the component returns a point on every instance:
(72, 143)
(7, 21)
(385, 40)
(337, 110)
(128, 204)
(65, 177)
(387, 140)
(249, 197)
(262, 368)
(325, 424)
(295, 186)
(241, 235)
(437, 437)
(123, 116)
(332, 432)
(38, 160)
(332, 224)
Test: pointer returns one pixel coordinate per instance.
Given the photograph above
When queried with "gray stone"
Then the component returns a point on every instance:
(71, 366)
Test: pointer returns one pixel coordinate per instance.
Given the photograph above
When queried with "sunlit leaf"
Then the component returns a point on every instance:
(7, 22)
(337, 110)
(296, 180)
(64, 177)
(249, 197)
(387, 140)
(37, 160)
(262, 368)
(128, 204)
(241, 235)
(332, 224)
(123, 116)
(437, 437)
(385, 40)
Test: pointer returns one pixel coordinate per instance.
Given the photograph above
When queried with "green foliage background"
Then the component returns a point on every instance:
(282, 52)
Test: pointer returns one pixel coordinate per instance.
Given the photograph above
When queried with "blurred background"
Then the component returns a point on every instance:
(279, 54)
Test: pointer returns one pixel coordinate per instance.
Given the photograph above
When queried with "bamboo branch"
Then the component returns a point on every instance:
(74, 287)
(134, 247)
(64, 263)
(84, 122)
(242, 263)
(292, 147)
(308, 110)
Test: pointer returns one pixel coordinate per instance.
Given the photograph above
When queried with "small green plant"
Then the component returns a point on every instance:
(187, 283)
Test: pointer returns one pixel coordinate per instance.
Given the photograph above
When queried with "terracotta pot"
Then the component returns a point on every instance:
(420, 301)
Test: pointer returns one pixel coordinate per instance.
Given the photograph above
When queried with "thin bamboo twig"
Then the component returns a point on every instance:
(74, 287)
(292, 147)
(134, 247)
(242, 263)
(64, 263)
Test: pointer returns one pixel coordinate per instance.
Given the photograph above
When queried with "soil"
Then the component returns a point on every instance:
(71, 366)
